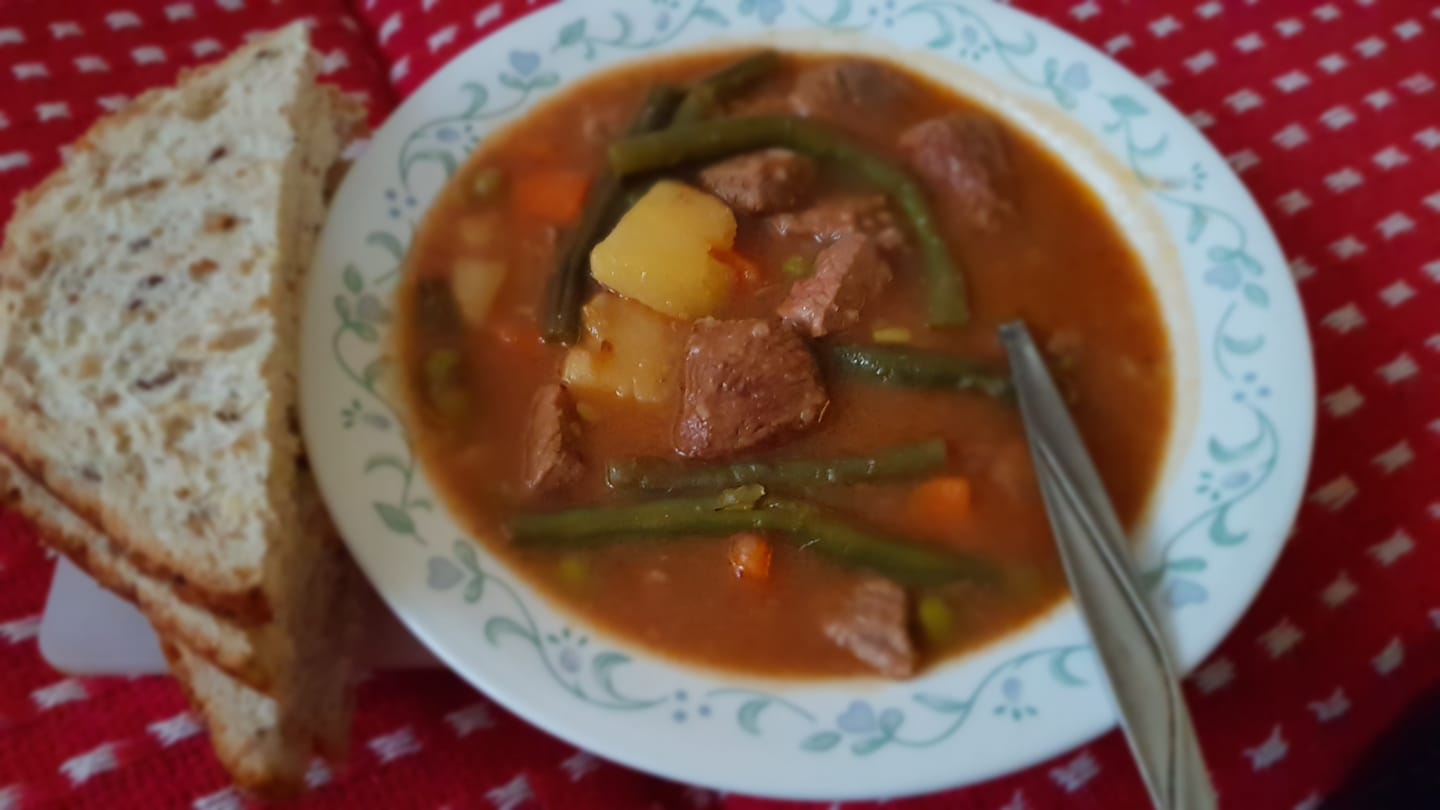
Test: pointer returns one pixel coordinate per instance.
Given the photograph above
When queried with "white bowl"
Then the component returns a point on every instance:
(1232, 479)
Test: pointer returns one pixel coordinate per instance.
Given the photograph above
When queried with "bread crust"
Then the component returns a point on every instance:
(262, 759)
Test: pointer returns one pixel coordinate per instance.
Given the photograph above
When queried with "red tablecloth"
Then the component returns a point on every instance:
(1330, 112)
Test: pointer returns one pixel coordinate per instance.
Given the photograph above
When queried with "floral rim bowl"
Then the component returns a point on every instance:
(1232, 481)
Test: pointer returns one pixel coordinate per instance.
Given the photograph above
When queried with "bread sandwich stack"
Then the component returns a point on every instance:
(150, 296)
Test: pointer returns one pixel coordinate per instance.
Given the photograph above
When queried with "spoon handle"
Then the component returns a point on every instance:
(1132, 650)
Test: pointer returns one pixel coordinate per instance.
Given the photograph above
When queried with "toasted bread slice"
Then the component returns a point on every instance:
(150, 291)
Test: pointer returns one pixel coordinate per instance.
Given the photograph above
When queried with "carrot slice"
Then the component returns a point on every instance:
(746, 270)
(553, 195)
(940, 504)
(750, 556)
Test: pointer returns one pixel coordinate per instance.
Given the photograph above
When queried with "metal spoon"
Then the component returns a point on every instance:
(1132, 650)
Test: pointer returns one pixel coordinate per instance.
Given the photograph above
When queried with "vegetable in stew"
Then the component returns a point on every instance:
(705, 347)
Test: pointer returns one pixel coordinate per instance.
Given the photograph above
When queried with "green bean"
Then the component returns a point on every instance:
(902, 461)
(692, 143)
(724, 85)
(801, 523)
(647, 518)
(565, 292)
(699, 101)
(919, 369)
(810, 527)
(658, 110)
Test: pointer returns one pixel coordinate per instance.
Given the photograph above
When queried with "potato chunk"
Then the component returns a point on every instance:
(660, 252)
(628, 351)
(475, 283)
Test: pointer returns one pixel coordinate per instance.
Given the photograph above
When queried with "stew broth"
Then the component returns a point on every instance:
(1056, 260)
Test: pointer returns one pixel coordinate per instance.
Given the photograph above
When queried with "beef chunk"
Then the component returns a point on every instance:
(837, 216)
(745, 383)
(847, 274)
(873, 628)
(552, 441)
(844, 89)
(762, 182)
(963, 156)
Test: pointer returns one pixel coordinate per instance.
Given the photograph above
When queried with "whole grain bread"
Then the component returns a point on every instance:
(265, 744)
(226, 644)
(149, 301)
(245, 727)
(150, 290)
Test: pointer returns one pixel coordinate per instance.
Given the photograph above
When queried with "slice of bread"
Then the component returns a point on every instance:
(150, 291)
(226, 644)
(266, 746)
(245, 728)
(149, 303)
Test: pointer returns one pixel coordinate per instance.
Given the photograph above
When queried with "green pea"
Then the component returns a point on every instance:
(796, 267)
(487, 183)
(441, 367)
(574, 571)
(936, 620)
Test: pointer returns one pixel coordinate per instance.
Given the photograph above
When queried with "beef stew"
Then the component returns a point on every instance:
(725, 380)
